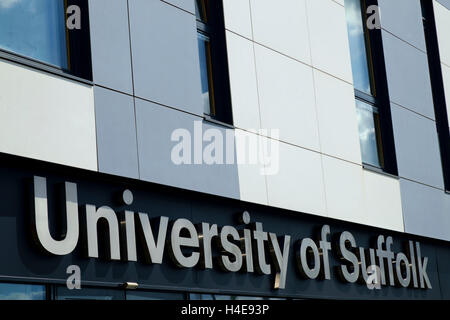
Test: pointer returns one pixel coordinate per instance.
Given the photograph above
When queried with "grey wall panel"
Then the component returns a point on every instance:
(187, 5)
(155, 125)
(111, 62)
(403, 18)
(445, 3)
(165, 55)
(417, 147)
(116, 133)
(426, 210)
(408, 76)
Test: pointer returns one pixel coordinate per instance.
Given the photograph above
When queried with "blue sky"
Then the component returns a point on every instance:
(34, 28)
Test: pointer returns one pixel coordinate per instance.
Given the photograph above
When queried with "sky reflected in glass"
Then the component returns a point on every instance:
(357, 44)
(368, 122)
(201, 296)
(203, 47)
(35, 29)
(21, 292)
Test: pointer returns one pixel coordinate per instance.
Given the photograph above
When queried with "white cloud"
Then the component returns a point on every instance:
(6, 4)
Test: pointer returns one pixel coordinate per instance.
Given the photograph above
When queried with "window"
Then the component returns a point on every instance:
(11, 291)
(154, 295)
(35, 32)
(63, 293)
(371, 92)
(206, 296)
(35, 29)
(213, 60)
(437, 85)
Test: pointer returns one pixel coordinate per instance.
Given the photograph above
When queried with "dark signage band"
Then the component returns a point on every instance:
(246, 248)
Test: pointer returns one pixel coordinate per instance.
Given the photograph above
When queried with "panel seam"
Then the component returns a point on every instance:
(134, 93)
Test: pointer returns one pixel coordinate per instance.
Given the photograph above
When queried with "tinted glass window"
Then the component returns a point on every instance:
(63, 293)
(200, 10)
(9, 291)
(358, 51)
(35, 29)
(205, 72)
(201, 296)
(369, 128)
(154, 295)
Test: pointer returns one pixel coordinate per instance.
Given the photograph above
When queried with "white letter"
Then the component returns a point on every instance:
(281, 259)
(177, 241)
(70, 241)
(92, 218)
(155, 249)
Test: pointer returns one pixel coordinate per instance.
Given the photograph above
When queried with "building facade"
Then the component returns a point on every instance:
(319, 126)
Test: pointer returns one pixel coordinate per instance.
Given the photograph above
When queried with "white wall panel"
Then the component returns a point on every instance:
(344, 190)
(338, 127)
(46, 117)
(282, 26)
(442, 16)
(252, 181)
(329, 40)
(299, 184)
(244, 90)
(382, 201)
(287, 98)
(238, 17)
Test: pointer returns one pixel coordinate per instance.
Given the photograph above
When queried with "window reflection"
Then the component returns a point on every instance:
(13, 291)
(153, 295)
(35, 29)
(9, 291)
(369, 127)
(201, 296)
(358, 50)
(63, 293)
(204, 50)
(363, 79)
(200, 10)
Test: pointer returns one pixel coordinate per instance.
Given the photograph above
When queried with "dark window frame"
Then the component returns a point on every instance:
(437, 87)
(214, 28)
(79, 52)
(380, 98)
